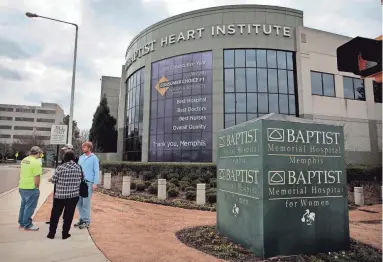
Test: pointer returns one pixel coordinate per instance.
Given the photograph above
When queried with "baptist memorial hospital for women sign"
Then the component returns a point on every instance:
(282, 187)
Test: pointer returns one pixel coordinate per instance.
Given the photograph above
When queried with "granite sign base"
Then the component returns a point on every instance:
(281, 186)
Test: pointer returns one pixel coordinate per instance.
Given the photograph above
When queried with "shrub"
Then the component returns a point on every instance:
(162, 175)
(175, 181)
(132, 174)
(147, 183)
(364, 173)
(147, 175)
(213, 182)
(169, 185)
(132, 185)
(173, 176)
(190, 188)
(183, 185)
(153, 188)
(191, 195)
(173, 191)
(140, 187)
(186, 179)
(211, 196)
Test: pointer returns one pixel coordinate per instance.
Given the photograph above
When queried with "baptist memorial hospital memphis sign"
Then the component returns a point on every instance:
(282, 186)
(215, 31)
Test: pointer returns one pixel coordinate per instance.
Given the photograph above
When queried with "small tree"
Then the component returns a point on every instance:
(103, 133)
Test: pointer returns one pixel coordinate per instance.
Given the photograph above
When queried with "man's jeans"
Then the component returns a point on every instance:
(29, 198)
(83, 205)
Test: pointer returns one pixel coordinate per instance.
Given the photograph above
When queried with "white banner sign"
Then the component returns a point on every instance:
(59, 134)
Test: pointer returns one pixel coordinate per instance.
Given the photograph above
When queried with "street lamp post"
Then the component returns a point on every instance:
(31, 15)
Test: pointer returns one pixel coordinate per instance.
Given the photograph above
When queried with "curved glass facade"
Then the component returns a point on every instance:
(134, 116)
(258, 82)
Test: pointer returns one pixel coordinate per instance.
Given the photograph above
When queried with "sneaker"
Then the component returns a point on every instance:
(32, 228)
(83, 225)
(78, 223)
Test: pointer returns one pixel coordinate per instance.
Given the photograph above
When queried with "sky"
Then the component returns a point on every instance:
(36, 55)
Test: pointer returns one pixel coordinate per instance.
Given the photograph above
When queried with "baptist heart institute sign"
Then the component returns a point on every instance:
(281, 186)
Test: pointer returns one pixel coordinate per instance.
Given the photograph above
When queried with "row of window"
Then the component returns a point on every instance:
(323, 84)
(25, 128)
(25, 137)
(27, 110)
(258, 58)
(256, 82)
(28, 119)
(134, 116)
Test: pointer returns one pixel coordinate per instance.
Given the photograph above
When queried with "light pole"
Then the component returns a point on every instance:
(31, 15)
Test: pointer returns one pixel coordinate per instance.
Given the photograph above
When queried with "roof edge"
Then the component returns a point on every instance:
(209, 9)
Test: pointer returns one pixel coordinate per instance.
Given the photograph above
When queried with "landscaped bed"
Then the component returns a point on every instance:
(181, 189)
(208, 240)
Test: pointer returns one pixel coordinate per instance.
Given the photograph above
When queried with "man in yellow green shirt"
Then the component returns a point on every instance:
(30, 173)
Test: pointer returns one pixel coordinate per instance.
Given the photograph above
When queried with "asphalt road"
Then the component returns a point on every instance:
(9, 178)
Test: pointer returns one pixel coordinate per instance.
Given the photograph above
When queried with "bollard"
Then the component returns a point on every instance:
(107, 180)
(161, 189)
(126, 185)
(358, 196)
(201, 194)
(100, 177)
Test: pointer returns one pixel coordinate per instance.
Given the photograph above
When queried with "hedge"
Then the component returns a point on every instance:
(190, 171)
(205, 171)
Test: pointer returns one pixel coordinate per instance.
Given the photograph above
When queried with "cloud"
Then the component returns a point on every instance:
(36, 55)
(11, 49)
(10, 74)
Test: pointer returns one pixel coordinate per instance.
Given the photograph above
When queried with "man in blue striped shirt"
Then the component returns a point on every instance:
(90, 167)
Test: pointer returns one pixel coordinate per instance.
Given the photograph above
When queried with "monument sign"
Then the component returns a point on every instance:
(282, 186)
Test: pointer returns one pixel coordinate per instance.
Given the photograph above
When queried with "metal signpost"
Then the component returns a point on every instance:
(59, 135)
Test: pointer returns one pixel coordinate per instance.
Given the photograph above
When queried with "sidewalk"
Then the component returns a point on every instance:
(16, 245)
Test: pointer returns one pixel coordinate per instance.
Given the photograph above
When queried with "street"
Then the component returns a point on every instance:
(9, 177)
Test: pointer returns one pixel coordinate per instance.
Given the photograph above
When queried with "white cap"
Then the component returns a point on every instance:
(68, 146)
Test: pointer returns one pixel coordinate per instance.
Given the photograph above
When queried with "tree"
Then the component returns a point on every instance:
(23, 145)
(103, 133)
(75, 129)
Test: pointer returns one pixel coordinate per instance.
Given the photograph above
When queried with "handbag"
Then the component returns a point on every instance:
(84, 193)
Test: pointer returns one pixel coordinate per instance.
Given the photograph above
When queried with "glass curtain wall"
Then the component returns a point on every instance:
(258, 82)
(134, 116)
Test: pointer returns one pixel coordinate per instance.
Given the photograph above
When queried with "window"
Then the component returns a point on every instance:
(5, 136)
(5, 127)
(322, 84)
(43, 129)
(134, 116)
(23, 128)
(44, 120)
(6, 109)
(48, 112)
(22, 137)
(354, 88)
(377, 91)
(25, 110)
(258, 82)
(24, 119)
(9, 118)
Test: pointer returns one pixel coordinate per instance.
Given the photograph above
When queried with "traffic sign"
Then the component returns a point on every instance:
(59, 134)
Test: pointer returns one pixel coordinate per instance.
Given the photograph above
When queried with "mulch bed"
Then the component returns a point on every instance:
(208, 240)
(152, 199)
